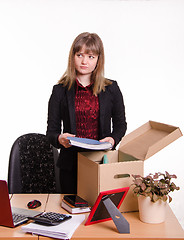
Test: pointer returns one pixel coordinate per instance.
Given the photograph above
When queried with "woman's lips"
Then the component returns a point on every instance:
(83, 67)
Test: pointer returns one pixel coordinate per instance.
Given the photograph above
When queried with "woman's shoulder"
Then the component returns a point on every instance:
(59, 87)
(59, 90)
(111, 84)
(113, 88)
(111, 81)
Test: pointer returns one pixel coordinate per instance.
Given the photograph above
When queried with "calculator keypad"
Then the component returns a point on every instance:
(56, 217)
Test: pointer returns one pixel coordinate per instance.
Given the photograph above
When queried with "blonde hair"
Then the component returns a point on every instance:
(92, 43)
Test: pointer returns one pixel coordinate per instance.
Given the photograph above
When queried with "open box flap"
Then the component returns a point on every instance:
(148, 139)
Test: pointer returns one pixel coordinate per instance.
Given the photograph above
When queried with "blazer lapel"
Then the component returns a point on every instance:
(71, 107)
(102, 101)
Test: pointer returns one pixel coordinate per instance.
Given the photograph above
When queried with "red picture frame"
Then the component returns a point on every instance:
(99, 212)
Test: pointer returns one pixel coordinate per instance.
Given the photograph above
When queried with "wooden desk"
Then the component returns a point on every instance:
(170, 229)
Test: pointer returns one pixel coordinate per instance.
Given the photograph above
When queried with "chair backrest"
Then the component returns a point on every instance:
(32, 165)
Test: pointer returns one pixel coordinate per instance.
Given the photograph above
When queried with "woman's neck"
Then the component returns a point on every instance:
(84, 80)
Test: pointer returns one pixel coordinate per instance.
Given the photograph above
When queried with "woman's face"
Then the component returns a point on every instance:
(85, 63)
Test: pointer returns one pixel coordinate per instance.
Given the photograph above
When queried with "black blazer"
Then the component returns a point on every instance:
(61, 117)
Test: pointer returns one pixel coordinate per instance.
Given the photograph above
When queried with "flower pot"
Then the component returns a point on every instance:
(151, 212)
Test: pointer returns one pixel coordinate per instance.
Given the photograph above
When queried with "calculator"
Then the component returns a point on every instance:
(50, 218)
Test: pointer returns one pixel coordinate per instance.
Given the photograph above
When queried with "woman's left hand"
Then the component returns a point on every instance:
(108, 139)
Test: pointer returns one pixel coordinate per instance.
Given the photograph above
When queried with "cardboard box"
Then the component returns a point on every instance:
(137, 146)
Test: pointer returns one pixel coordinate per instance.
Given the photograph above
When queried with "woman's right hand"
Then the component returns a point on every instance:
(63, 139)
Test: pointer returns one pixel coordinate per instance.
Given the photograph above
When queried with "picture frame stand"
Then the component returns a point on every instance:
(121, 223)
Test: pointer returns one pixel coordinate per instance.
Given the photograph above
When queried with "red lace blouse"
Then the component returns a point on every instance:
(87, 112)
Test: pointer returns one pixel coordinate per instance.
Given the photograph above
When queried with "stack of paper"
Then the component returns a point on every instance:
(63, 230)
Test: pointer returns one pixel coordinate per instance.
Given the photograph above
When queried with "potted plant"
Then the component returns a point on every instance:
(153, 193)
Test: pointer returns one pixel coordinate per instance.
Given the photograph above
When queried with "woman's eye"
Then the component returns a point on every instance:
(91, 57)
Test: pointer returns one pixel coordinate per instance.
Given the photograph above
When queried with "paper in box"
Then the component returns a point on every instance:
(137, 146)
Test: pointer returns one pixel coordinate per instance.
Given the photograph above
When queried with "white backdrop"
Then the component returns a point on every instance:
(144, 46)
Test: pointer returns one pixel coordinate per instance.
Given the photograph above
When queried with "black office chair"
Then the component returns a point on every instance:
(32, 165)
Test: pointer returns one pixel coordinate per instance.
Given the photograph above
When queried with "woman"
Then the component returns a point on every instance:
(84, 104)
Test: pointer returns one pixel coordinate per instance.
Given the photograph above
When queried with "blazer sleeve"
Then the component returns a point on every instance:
(54, 117)
(119, 124)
